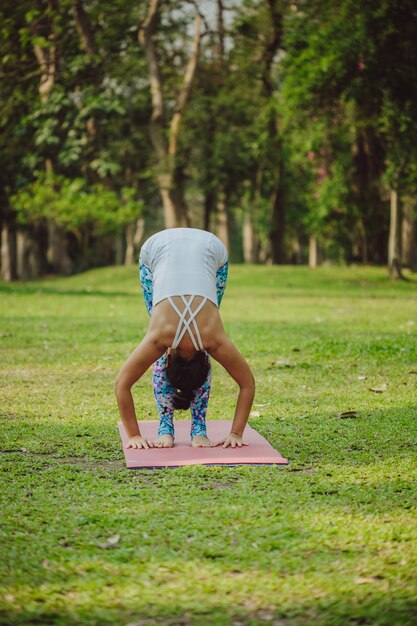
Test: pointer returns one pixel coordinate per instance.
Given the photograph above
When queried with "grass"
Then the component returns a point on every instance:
(329, 540)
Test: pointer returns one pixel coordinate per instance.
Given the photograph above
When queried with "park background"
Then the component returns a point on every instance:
(289, 129)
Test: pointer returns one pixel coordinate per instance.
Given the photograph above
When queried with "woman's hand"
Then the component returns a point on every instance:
(139, 441)
(232, 440)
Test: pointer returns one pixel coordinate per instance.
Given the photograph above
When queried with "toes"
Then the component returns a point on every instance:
(206, 443)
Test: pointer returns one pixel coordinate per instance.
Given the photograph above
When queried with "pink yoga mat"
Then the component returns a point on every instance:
(258, 452)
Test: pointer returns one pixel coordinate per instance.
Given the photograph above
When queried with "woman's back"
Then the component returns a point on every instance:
(164, 321)
(183, 261)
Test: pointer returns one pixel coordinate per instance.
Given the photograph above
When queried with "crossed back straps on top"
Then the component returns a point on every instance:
(184, 325)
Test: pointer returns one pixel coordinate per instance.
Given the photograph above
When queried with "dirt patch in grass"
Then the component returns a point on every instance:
(70, 460)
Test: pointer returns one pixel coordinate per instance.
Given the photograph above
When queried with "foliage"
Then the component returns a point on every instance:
(358, 64)
(330, 118)
(72, 204)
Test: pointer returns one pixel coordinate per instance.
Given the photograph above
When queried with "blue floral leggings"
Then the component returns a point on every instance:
(162, 388)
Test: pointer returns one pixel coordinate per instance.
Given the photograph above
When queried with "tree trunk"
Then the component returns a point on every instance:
(272, 44)
(220, 31)
(209, 206)
(134, 234)
(85, 247)
(297, 256)
(84, 29)
(278, 221)
(250, 240)
(409, 236)
(57, 255)
(223, 221)
(369, 162)
(130, 247)
(119, 246)
(178, 197)
(169, 208)
(394, 241)
(313, 252)
(173, 202)
(363, 242)
(27, 265)
(88, 44)
(8, 253)
(47, 57)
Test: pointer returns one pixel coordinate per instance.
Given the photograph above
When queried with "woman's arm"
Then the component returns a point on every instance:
(147, 352)
(226, 353)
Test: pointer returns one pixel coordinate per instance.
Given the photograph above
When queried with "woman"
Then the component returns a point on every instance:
(183, 275)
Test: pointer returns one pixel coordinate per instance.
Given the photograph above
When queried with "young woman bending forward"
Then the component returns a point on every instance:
(183, 273)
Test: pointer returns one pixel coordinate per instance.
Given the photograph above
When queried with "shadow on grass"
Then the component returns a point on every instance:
(315, 440)
(376, 609)
(75, 461)
(42, 289)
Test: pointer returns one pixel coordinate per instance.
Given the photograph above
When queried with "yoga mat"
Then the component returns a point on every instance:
(258, 452)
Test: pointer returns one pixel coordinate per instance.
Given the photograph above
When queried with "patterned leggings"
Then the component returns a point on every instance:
(162, 388)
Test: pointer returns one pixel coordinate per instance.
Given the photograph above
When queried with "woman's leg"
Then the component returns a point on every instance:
(221, 280)
(201, 398)
(146, 282)
(199, 408)
(161, 387)
(163, 395)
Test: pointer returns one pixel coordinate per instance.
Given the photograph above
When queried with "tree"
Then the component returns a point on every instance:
(166, 150)
(366, 66)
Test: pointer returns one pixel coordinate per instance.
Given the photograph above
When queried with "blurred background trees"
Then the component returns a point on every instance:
(288, 128)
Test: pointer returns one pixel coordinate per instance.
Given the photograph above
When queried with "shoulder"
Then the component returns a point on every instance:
(163, 324)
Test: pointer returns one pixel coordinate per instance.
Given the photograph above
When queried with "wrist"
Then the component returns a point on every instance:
(234, 432)
(131, 435)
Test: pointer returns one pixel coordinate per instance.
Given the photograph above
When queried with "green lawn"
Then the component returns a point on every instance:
(329, 540)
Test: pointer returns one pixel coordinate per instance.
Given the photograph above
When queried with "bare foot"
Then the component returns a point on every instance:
(201, 442)
(164, 441)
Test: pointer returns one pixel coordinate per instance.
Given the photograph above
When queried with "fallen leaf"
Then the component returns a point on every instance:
(380, 389)
(361, 377)
(318, 593)
(368, 580)
(283, 364)
(266, 616)
(255, 414)
(110, 542)
(347, 415)
(114, 540)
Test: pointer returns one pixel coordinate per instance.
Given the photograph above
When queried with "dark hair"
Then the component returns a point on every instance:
(186, 377)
